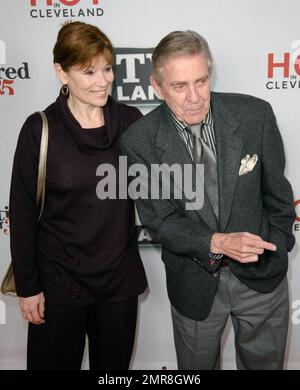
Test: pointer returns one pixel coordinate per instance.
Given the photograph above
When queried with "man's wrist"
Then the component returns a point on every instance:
(215, 246)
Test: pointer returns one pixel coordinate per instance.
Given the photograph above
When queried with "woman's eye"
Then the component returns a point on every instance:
(108, 68)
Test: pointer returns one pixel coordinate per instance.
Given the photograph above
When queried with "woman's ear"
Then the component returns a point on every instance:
(61, 74)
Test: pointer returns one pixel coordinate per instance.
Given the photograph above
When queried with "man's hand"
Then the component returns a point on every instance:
(33, 308)
(243, 247)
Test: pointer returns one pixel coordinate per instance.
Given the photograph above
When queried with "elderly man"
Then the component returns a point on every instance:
(228, 258)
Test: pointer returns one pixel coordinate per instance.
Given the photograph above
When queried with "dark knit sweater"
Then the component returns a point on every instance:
(84, 250)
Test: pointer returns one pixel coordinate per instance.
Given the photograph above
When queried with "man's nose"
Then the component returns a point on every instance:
(193, 95)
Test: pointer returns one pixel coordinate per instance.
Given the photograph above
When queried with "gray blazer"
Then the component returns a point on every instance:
(259, 202)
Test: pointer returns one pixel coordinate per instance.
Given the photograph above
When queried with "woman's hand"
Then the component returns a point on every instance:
(33, 308)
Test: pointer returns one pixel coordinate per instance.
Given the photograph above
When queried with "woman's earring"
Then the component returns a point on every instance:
(64, 90)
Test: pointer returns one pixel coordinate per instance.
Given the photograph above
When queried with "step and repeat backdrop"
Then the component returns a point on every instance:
(256, 50)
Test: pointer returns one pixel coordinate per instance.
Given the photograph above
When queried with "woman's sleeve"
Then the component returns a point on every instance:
(23, 213)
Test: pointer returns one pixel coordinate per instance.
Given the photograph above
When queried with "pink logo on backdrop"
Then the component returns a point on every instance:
(33, 3)
(297, 203)
(283, 68)
(283, 65)
(297, 220)
(65, 8)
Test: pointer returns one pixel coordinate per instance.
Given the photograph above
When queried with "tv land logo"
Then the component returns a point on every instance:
(64, 8)
(132, 85)
(4, 221)
(144, 237)
(284, 69)
(8, 76)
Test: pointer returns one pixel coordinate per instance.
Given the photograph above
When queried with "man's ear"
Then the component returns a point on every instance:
(61, 74)
(156, 86)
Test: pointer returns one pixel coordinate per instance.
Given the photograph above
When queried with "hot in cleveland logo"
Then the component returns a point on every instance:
(284, 69)
(64, 8)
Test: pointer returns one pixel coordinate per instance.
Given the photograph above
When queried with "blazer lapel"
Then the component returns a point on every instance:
(175, 152)
(229, 148)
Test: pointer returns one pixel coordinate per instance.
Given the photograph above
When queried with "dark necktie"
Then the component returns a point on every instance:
(202, 154)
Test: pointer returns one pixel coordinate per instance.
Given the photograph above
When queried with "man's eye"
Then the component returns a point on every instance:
(179, 87)
(203, 81)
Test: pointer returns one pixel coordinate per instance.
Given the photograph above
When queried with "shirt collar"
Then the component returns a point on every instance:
(180, 126)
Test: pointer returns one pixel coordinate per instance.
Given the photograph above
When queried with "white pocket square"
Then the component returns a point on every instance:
(247, 164)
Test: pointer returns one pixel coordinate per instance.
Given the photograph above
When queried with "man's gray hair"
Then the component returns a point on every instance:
(179, 43)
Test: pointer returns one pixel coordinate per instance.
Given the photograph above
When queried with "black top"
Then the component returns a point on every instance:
(84, 250)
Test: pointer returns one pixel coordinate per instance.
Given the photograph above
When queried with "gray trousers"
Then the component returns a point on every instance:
(260, 323)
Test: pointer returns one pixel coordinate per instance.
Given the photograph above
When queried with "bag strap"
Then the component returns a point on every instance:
(41, 183)
(8, 286)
